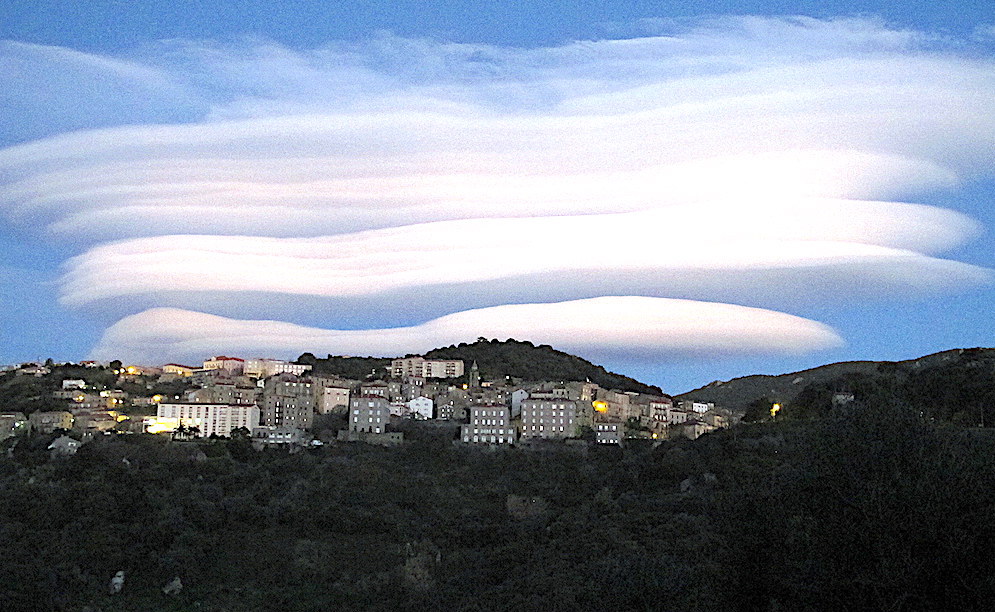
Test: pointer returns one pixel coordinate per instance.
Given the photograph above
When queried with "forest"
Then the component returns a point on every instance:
(869, 507)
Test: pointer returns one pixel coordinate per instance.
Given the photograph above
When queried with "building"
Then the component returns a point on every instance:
(264, 368)
(333, 399)
(549, 418)
(288, 401)
(178, 370)
(217, 419)
(48, 421)
(489, 424)
(369, 414)
(421, 408)
(94, 421)
(419, 367)
(278, 436)
(230, 365)
(609, 432)
(73, 383)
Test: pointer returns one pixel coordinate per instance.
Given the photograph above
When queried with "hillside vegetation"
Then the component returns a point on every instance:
(956, 385)
(496, 360)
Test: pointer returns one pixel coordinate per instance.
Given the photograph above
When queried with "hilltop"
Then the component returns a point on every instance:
(955, 385)
(495, 359)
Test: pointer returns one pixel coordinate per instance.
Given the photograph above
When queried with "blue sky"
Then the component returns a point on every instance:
(458, 115)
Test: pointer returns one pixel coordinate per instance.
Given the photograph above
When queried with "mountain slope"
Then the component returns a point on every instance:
(946, 385)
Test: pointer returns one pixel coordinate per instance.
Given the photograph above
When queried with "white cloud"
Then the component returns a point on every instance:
(869, 242)
(635, 327)
(732, 158)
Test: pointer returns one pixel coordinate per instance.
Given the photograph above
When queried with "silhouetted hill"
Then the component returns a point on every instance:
(496, 359)
(527, 361)
(956, 385)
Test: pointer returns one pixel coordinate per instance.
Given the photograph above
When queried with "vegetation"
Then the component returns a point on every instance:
(496, 360)
(527, 361)
(869, 508)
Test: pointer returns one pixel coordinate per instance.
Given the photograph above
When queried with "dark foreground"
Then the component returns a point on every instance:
(867, 510)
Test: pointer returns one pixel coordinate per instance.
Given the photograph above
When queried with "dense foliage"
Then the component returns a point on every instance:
(869, 509)
(524, 360)
(960, 389)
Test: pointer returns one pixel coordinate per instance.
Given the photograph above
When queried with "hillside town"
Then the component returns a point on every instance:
(277, 403)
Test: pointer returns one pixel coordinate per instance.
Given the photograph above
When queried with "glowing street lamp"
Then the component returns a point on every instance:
(774, 410)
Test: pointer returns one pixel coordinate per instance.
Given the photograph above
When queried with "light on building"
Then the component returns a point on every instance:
(600, 406)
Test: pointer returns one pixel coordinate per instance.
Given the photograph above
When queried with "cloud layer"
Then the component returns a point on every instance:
(735, 159)
(614, 326)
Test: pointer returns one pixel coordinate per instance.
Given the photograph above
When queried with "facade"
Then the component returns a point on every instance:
(333, 399)
(549, 418)
(489, 424)
(218, 419)
(278, 436)
(178, 370)
(419, 367)
(73, 383)
(231, 365)
(47, 422)
(94, 421)
(421, 408)
(369, 414)
(609, 432)
(287, 402)
(264, 368)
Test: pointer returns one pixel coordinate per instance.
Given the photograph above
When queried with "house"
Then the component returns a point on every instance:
(420, 408)
(333, 398)
(64, 446)
(230, 365)
(177, 369)
(73, 383)
(265, 436)
(46, 422)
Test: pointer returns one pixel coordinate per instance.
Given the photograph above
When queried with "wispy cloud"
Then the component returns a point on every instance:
(720, 159)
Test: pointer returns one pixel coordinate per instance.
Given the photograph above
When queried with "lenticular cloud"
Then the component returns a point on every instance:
(734, 160)
(631, 326)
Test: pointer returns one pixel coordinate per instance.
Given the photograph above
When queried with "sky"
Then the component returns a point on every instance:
(682, 193)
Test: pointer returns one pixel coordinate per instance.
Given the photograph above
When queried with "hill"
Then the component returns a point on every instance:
(957, 385)
(496, 360)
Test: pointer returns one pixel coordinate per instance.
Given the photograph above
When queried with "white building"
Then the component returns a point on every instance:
(74, 383)
(489, 424)
(421, 408)
(219, 419)
(264, 368)
(419, 367)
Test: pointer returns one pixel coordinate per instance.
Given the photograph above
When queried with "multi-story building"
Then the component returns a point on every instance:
(288, 401)
(489, 424)
(419, 367)
(549, 418)
(48, 421)
(231, 365)
(218, 419)
(227, 392)
(264, 368)
(369, 414)
(609, 432)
